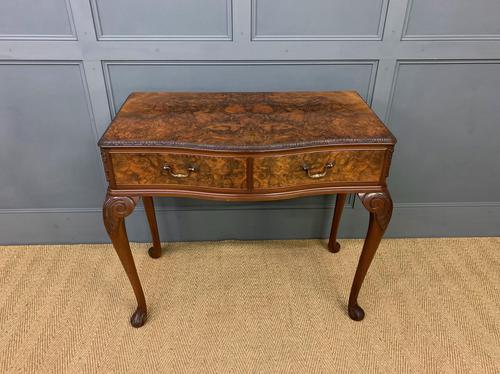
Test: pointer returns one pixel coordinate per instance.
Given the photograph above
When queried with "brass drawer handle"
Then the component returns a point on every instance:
(306, 168)
(190, 169)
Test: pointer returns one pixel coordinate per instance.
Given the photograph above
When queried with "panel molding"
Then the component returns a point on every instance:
(88, 103)
(455, 204)
(263, 207)
(460, 204)
(87, 227)
(166, 37)
(78, 63)
(255, 36)
(109, 86)
(49, 210)
(48, 37)
(439, 37)
(399, 63)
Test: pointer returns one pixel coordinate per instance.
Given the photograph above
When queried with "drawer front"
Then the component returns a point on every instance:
(171, 169)
(309, 169)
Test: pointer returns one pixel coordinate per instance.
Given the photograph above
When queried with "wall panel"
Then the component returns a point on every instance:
(162, 19)
(36, 20)
(319, 20)
(452, 19)
(446, 118)
(48, 157)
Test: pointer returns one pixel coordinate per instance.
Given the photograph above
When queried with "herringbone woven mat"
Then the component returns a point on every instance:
(433, 306)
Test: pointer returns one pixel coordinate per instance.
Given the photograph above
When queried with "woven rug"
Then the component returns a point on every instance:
(432, 306)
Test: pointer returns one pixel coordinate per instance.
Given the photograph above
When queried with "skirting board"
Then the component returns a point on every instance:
(249, 224)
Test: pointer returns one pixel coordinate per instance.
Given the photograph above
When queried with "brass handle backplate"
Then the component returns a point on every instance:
(307, 169)
(190, 169)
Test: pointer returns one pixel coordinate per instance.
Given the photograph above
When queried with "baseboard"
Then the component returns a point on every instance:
(85, 226)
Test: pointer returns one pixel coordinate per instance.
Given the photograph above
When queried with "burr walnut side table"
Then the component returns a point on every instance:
(245, 147)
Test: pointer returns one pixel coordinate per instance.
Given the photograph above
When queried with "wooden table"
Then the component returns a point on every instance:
(245, 147)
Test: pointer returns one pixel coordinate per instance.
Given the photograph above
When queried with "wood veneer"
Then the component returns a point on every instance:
(209, 171)
(242, 121)
(346, 166)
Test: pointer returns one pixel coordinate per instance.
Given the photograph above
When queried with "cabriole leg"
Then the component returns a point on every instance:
(379, 204)
(115, 209)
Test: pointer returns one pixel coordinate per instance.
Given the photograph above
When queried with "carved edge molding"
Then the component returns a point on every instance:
(116, 208)
(380, 204)
(222, 147)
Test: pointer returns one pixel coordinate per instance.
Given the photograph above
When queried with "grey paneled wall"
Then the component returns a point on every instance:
(430, 69)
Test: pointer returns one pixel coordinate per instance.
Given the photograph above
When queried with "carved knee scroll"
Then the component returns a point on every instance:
(380, 204)
(115, 209)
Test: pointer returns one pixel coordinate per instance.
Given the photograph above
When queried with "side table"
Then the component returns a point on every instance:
(245, 147)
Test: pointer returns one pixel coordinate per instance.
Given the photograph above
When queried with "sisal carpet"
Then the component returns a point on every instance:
(432, 306)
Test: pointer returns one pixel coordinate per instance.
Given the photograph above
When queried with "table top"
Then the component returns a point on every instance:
(245, 121)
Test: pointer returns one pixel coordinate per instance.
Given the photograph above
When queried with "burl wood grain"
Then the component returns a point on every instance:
(245, 121)
(147, 169)
(287, 170)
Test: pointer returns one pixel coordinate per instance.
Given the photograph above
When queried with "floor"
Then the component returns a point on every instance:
(432, 306)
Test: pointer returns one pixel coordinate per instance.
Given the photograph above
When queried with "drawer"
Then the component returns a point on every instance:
(314, 168)
(173, 169)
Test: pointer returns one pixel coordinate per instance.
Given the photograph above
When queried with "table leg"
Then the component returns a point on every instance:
(115, 209)
(379, 204)
(333, 245)
(155, 250)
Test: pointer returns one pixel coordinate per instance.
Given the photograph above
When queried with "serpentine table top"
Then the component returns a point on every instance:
(245, 121)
